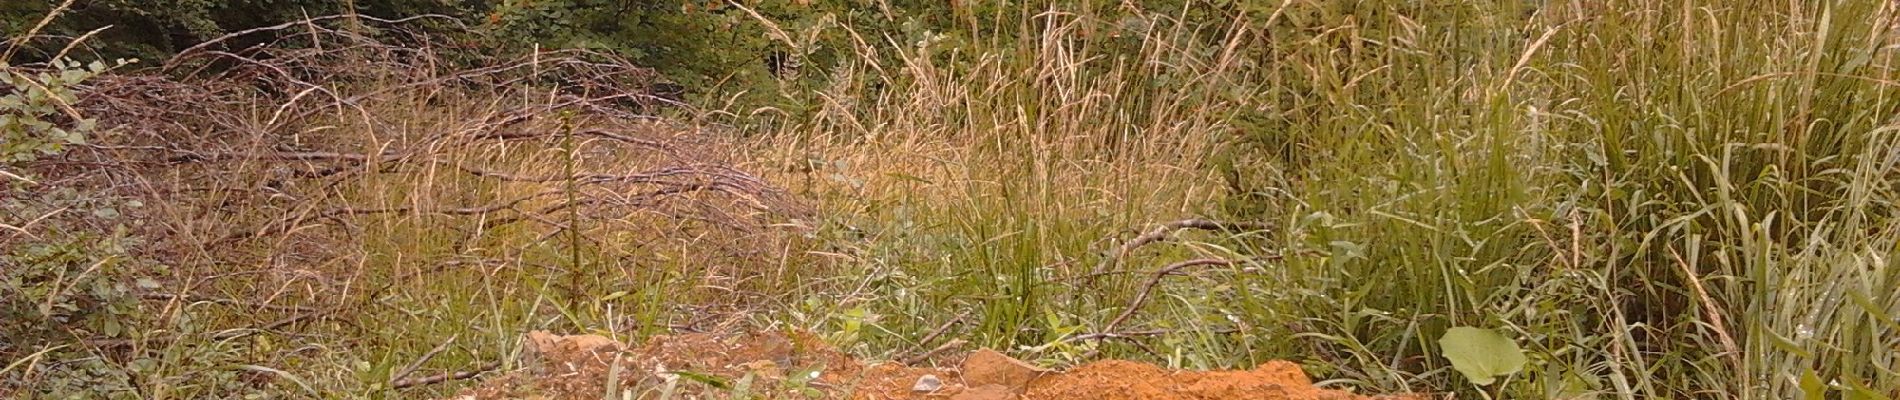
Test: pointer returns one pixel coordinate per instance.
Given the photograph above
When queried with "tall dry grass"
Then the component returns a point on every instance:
(1657, 199)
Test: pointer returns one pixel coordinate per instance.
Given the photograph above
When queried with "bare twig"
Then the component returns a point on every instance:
(934, 333)
(506, 205)
(10, 175)
(445, 377)
(1165, 230)
(1142, 296)
(953, 344)
(21, 229)
(399, 376)
(943, 328)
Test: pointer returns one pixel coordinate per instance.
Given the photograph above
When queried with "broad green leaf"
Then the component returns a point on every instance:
(1480, 354)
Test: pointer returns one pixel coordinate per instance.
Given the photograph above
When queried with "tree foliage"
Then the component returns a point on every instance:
(714, 49)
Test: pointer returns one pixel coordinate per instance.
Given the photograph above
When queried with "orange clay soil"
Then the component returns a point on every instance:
(799, 366)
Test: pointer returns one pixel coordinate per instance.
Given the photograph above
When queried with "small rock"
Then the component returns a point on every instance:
(986, 392)
(988, 367)
(927, 383)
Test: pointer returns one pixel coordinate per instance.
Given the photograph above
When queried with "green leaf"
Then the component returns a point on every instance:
(1857, 390)
(1812, 387)
(1480, 354)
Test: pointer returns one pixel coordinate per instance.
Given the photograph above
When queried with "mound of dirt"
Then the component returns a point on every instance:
(799, 365)
(1118, 379)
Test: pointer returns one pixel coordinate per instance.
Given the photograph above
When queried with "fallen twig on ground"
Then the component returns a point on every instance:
(399, 376)
(934, 333)
(445, 377)
(10, 175)
(953, 344)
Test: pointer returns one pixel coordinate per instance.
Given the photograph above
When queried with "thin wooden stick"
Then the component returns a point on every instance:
(953, 344)
(1165, 230)
(1142, 297)
(943, 328)
(445, 377)
(424, 359)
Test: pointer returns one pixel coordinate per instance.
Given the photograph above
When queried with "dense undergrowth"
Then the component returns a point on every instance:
(1654, 199)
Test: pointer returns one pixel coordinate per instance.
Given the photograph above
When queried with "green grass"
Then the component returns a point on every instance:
(1654, 199)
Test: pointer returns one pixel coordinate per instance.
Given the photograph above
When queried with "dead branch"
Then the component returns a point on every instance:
(1165, 230)
(943, 328)
(934, 333)
(398, 377)
(445, 377)
(953, 344)
(10, 175)
(1142, 296)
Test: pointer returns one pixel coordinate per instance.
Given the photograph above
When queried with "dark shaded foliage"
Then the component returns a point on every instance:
(710, 51)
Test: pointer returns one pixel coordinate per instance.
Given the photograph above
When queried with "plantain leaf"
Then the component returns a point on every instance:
(1480, 354)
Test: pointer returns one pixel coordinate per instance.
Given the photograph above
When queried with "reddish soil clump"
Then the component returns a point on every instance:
(1118, 379)
(799, 366)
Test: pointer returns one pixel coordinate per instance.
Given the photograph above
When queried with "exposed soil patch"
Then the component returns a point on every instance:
(798, 365)
(1119, 379)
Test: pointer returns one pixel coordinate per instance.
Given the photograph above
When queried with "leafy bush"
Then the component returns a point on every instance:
(56, 292)
(62, 286)
(65, 287)
(36, 114)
